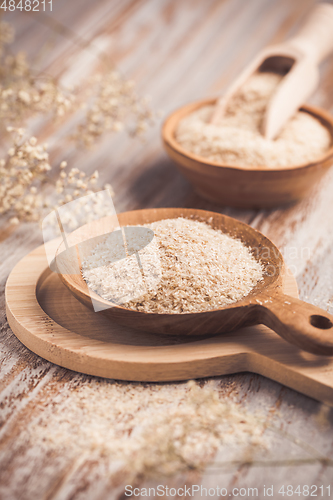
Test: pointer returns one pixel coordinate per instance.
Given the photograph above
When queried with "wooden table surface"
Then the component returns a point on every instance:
(177, 51)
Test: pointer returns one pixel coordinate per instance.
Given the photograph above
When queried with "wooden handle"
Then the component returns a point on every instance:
(298, 322)
(315, 38)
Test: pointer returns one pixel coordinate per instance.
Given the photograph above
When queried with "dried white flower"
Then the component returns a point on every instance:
(115, 103)
(22, 174)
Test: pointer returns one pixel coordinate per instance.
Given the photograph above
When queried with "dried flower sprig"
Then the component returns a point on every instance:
(114, 100)
(25, 170)
(22, 92)
(21, 171)
(74, 184)
(115, 104)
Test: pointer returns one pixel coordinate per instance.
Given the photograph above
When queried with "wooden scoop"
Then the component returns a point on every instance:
(297, 59)
(302, 324)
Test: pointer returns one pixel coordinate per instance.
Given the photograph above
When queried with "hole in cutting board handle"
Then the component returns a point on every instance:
(320, 322)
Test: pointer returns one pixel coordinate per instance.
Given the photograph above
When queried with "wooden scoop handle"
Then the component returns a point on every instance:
(313, 41)
(298, 322)
(315, 37)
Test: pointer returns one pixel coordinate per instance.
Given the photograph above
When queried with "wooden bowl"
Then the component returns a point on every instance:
(246, 186)
(303, 324)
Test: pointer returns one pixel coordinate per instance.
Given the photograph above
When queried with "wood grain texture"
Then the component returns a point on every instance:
(178, 52)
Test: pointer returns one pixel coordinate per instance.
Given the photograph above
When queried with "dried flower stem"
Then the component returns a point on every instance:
(22, 174)
(24, 94)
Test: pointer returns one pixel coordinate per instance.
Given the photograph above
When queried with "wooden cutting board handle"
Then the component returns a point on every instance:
(298, 322)
(315, 37)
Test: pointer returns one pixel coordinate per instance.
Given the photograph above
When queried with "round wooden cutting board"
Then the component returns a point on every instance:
(48, 320)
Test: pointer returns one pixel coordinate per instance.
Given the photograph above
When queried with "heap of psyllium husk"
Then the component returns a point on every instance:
(145, 430)
(191, 267)
(237, 138)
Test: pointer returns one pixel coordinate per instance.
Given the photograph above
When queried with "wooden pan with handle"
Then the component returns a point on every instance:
(302, 324)
(297, 59)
